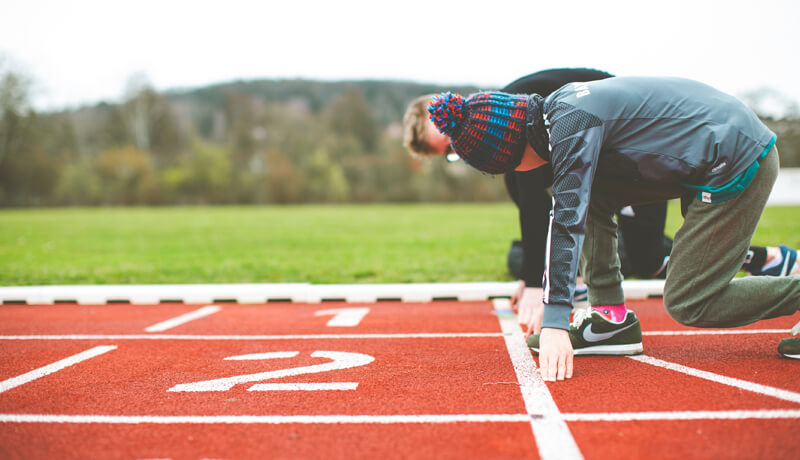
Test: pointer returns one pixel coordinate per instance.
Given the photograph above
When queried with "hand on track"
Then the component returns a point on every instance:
(555, 355)
(517, 296)
(531, 309)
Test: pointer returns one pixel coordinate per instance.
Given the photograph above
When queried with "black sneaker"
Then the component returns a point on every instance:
(591, 333)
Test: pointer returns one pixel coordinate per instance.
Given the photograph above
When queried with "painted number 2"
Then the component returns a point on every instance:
(339, 360)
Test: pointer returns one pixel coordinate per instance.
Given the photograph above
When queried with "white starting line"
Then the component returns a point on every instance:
(718, 332)
(420, 335)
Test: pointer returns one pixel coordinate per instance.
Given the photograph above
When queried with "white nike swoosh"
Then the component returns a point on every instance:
(591, 336)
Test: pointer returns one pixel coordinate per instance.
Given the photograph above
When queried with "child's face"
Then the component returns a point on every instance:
(440, 143)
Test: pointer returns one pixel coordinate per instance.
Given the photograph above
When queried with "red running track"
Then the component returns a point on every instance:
(425, 380)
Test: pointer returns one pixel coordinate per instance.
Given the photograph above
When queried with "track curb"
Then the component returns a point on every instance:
(149, 294)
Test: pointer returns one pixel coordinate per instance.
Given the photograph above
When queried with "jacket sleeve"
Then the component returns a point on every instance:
(534, 211)
(575, 140)
(530, 194)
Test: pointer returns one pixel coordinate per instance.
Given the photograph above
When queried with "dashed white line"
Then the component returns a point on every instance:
(553, 438)
(737, 383)
(13, 382)
(183, 319)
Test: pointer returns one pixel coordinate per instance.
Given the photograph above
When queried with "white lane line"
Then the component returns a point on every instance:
(13, 382)
(737, 383)
(398, 419)
(719, 332)
(183, 319)
(684, 415)
(263, 419)
(423, 335)
(321, 386)
(553, 438)
(344, 317)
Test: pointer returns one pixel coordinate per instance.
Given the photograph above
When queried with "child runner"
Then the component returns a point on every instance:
(623, 141)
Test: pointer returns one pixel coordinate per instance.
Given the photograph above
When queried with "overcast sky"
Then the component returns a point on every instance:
(82, 51)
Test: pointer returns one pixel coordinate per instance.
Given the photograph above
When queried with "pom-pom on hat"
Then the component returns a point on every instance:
(487, 130)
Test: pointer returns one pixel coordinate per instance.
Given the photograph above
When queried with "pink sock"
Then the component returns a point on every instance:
(615, 313)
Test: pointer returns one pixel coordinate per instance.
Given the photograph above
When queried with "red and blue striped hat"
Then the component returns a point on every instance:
(487, 130)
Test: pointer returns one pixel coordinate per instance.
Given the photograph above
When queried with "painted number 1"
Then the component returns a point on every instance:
(339, 360)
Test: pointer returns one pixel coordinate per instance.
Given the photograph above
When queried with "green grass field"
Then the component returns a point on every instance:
(317, 244)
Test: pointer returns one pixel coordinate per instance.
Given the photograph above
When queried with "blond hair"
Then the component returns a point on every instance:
(415, 125)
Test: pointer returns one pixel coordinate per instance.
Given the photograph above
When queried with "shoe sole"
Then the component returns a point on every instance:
(608, 350)
(790, 356)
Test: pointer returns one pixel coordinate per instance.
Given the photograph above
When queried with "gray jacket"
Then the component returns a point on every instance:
(637, 140)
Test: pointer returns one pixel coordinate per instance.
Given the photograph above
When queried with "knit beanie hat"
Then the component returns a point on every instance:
(487, 130)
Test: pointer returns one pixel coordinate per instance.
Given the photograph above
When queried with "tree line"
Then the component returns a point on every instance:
(244, 142)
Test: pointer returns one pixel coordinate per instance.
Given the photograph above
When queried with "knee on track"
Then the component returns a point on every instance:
(682, 311)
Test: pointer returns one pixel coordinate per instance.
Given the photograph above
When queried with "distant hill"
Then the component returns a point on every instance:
(387, 99)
